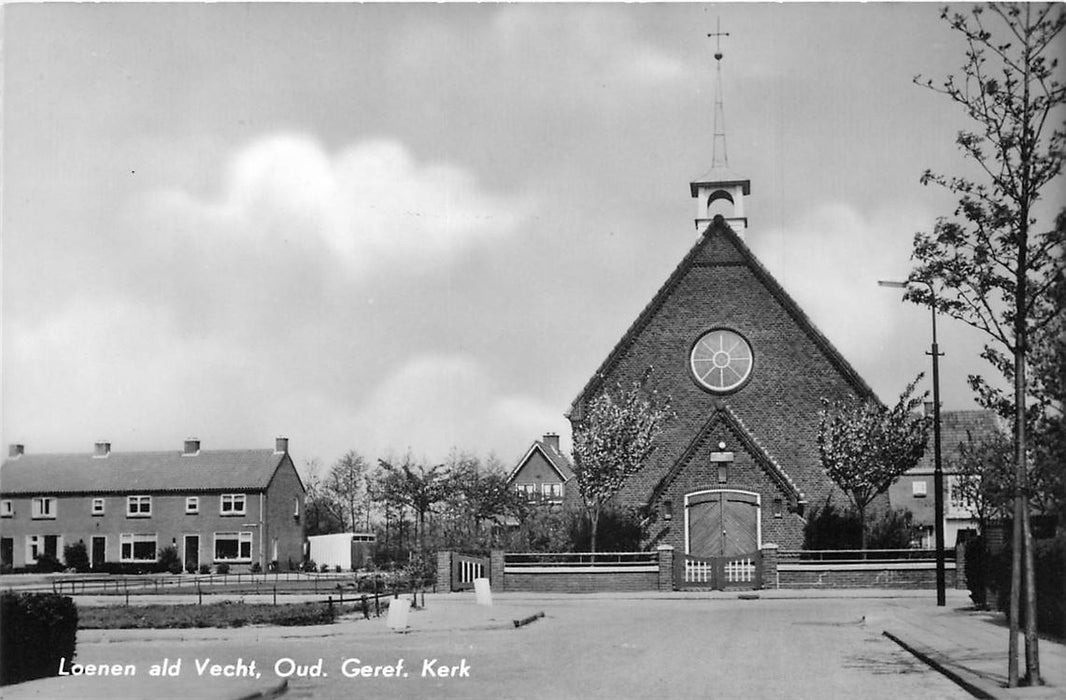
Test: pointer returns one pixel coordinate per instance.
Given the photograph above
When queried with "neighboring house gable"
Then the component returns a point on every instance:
(914, 491)
(544, 473)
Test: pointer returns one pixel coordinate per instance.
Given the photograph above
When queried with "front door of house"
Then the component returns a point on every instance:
(99, 552)
(192, 552)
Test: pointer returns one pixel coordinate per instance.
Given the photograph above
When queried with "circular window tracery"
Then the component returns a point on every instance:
(721, 360)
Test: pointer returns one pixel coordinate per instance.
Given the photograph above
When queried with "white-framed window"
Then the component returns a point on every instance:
(137, 547)
(192, 505)
(98, 506)
(552, 491)
(918, 489)
(959, 506)
(7, 509)
(233, 546)
(34, 548)
(232, 504)
(296, 508)
(38, 545)
(44, 508)
(138, 506)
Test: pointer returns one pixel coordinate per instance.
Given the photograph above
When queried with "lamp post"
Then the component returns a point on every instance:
(938, 472)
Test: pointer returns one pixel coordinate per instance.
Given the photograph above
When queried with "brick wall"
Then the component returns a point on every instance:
(843, 577)
(582, 582)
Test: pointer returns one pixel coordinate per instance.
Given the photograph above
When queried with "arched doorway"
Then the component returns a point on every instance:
(721, 523)
(723, 534)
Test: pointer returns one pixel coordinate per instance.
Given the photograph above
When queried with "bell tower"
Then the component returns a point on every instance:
(720, 184)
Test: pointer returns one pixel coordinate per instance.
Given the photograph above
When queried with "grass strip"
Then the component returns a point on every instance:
(225, 614)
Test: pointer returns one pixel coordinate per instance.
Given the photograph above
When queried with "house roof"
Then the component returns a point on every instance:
(207, 470)
(554, 457)
(720, 228)
(956, 428)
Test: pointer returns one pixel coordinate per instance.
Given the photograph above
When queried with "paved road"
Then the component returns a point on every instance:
(585, 646)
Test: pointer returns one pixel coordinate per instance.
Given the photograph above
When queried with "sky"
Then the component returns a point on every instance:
(399, 228)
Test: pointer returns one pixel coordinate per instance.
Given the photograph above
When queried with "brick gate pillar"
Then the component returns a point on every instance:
(666, 567)
(496, 581)
(769, 566)
(444, 571)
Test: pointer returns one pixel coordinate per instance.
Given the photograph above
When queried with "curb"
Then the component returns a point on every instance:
(272, 692)
(971, 682)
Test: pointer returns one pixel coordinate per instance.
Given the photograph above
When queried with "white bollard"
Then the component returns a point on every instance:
(398, 611)
(482, 591)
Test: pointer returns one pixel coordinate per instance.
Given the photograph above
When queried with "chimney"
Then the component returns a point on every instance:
(14, 451)
(281, 445)
(102, 449)
(552, 440)
(192, 447)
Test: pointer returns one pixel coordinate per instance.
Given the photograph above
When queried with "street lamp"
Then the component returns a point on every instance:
(938, 472)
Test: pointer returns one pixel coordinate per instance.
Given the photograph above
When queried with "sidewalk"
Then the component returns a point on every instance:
(970, 647)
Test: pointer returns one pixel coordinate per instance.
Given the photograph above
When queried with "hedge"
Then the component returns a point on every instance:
(991, 572)
(38, 630)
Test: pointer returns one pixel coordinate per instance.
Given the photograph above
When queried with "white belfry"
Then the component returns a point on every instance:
(720, 183)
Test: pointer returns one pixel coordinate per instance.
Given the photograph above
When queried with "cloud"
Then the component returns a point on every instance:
(370, 206)
(609, 43)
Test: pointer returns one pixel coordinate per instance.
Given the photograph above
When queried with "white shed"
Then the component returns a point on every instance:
(348, 550)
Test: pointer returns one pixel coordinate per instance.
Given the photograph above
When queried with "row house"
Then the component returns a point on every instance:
(234, 507)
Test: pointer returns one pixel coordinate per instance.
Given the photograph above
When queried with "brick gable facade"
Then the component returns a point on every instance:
(770, 423)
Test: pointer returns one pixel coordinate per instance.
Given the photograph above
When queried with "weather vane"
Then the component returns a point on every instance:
(718, 34)
(719, 155)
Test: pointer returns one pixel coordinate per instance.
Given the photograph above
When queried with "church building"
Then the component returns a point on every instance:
(746, 370)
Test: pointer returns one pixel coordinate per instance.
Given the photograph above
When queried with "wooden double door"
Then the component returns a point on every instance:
(722, 523)
(722, 531)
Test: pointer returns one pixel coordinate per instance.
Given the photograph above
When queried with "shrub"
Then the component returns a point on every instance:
(205, 568)
(619, 530)
(978, 571)
(1050, 562)
(47, 564)
(168, 560)
(77, 556)
(309, 566)
(39, 629)
(323, 569)
(1049, 559)
(222, 568)
(829, 528)
(257, 568)
(892, 529)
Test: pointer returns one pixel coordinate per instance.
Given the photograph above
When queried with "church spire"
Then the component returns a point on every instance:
(720, 183)
(719, 157)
